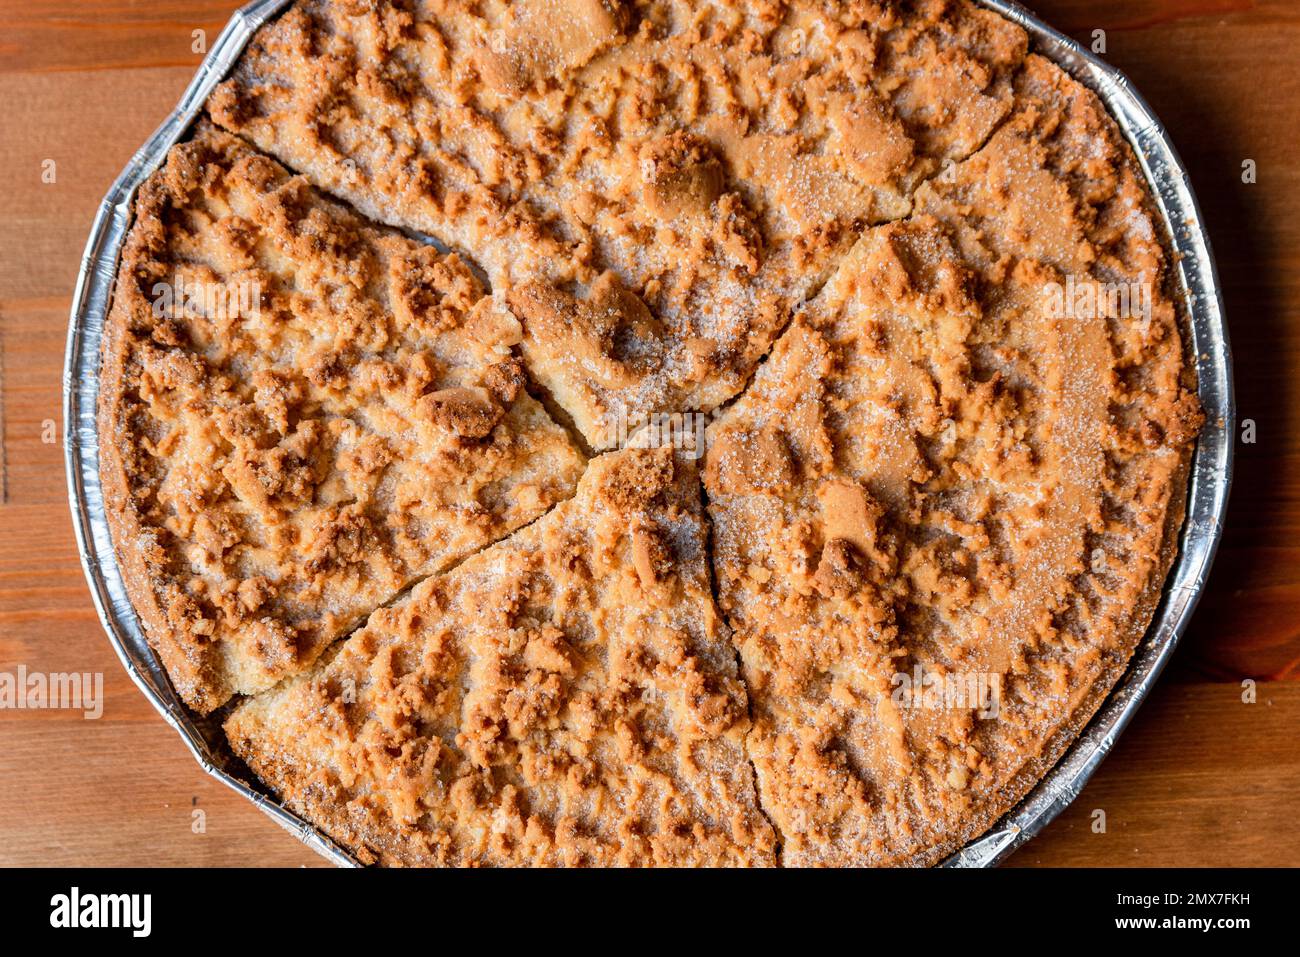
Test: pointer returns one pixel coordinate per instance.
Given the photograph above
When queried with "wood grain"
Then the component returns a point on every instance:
(1200, 779)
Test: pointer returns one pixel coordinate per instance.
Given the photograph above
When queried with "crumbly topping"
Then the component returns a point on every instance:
(932, 473)
(715, 158)
(566, 697)
(935, 474)
(305, 417)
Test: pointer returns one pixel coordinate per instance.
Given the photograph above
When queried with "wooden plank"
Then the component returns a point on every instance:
(1200, 779)
(84, 792)
(34, 332)
(107, 35)
(88, 125)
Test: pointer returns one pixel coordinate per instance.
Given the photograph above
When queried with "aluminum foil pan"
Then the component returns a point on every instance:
(1196, 282)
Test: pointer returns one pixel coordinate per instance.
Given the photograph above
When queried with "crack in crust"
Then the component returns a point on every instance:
(831, 224)
(302, 415)
(933, 474)
(713, 159)
(566, 697)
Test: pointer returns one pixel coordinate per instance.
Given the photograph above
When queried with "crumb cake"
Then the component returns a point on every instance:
(385, 321)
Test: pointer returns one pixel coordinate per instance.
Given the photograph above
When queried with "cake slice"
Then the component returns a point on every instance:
(301, 415)
(567, 697)
(652, 187)
(429, 115)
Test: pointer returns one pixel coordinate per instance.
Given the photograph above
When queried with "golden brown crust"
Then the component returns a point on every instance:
(941, 465)
(716, 158)
(301, 415)
(566, 697)
(938, 476)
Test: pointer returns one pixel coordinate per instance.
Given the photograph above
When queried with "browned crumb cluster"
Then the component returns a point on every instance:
(935, 475)
(909, 266)
(652, 187)
(566, 697)
(302, 414)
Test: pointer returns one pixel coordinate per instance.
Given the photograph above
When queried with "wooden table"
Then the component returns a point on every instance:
(1201, 778)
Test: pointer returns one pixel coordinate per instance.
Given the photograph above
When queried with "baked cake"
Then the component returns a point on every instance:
(907, 270)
